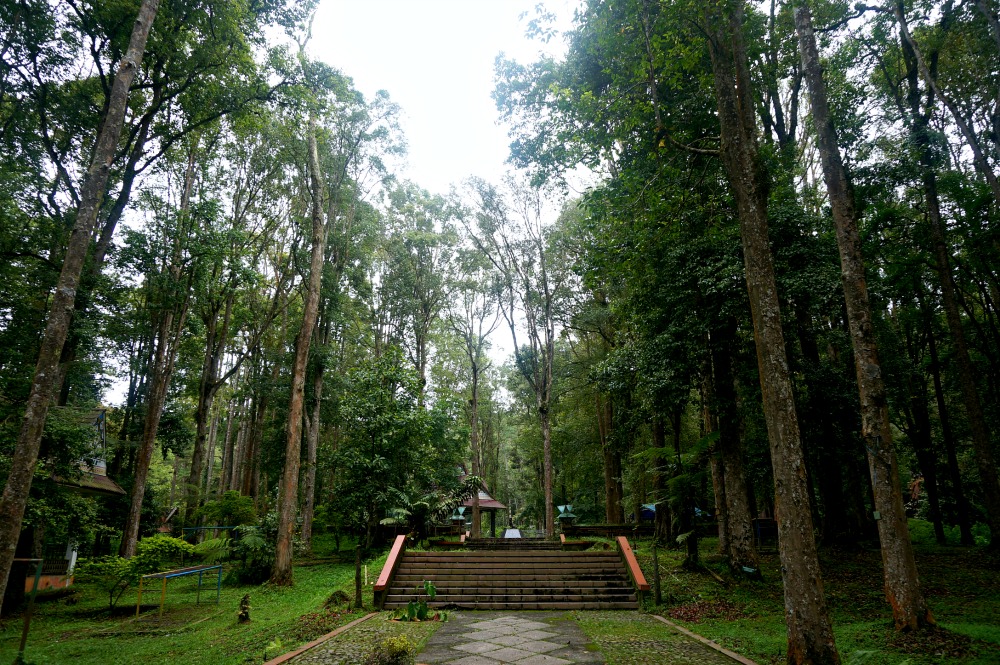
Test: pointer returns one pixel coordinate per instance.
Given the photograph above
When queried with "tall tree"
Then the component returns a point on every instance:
(92, 191)
(510, 233)
(288, 490)
(810, 635)
(902, 587)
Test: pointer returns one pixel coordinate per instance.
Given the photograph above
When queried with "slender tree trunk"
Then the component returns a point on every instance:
(662, 519)
(718, 469)
(810, 636)
(208, 387)
(15, 493)
(312, 446)
(612, 500)
(902, 586)
(961, 502)
(742, 555)
(971, 140)
(545, 419)
(985, 461)
(163, 367)
(213, 435)
(474, 444)
(282, 573)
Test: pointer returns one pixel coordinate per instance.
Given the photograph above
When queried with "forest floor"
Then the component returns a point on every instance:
(962, 585)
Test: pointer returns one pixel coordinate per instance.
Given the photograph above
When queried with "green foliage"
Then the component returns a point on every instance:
(233, 509)
(114, 574)
(417, 609)
(396, 650)
(214, 550)
(253, 550)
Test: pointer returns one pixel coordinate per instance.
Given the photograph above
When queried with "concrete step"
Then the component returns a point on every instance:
(411, 578)
(547, 605)
(516, 579)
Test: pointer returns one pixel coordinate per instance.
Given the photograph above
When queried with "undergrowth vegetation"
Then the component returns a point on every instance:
(962, 585)
(79, 628)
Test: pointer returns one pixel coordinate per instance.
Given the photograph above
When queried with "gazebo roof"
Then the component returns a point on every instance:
(486, 502)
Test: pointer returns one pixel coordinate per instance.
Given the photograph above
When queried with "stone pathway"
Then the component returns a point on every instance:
(524, 638)
(497, 638)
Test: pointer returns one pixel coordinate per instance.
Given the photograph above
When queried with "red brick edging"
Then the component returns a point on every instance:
(284, 658)
(743, 660)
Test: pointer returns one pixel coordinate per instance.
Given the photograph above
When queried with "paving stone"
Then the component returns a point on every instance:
(474, 660)
(539, 646)
(540, 659)
(537, 634)
(477, 647)
(509, 654)
(509, 640)
(480, 635)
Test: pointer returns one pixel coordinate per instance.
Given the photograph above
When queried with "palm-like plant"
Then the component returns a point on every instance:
(420, 512)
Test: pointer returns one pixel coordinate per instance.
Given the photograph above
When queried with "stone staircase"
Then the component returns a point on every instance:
(512, 544)
(508, 578)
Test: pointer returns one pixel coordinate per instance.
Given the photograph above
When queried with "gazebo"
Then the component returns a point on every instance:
(487, 504)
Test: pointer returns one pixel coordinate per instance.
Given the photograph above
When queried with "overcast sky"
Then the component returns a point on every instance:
(435, 58)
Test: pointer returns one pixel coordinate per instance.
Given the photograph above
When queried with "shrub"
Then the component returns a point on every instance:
(115, 575)
(392, 651)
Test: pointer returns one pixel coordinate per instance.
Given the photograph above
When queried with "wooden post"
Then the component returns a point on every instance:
(657, 598)
(357, 576)
(163, 595)
(138, 601)
(31, 610)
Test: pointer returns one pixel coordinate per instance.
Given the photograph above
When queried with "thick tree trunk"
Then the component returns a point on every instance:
(15, 493)
(902, 586)
(810, 636)
(282, 573)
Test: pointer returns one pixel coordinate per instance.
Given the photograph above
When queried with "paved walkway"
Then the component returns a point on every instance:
(524, 638)
(497, 638)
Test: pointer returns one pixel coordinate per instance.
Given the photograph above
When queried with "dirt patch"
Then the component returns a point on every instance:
(707, 609)
(315, 624)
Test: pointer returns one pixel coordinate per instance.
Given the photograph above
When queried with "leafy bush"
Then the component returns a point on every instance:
(253, 550)
(233, 509)
(214, 550)
(392, 651)
(115, 575)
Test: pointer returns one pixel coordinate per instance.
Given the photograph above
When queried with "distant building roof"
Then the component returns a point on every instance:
(89, 482)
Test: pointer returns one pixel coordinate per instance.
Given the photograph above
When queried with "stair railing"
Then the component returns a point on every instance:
(632, 566)
(389, 570)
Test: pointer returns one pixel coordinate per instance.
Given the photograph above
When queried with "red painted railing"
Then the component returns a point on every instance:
(628, 556)
(389, 570)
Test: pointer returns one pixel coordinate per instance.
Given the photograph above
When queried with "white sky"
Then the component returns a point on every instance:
(435, 58)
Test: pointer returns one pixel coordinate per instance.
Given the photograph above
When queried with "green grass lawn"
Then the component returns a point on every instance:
(79, 629)
(962, 586)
